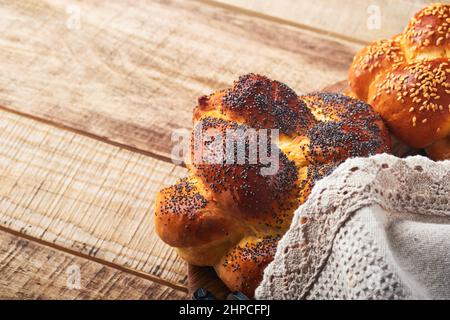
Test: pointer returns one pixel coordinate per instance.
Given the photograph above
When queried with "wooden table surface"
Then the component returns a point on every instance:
(90, 93)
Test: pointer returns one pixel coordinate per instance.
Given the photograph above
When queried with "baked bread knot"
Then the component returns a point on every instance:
(230, 213)
(407, 81)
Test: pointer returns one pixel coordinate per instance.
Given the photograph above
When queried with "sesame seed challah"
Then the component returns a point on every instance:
(231, 216)
(407, 81)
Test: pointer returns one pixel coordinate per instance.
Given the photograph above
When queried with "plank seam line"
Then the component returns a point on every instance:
(130, 271)
(290, 23)
(92, 136)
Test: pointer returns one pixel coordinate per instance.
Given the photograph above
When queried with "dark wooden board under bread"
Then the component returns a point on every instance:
(205, 277)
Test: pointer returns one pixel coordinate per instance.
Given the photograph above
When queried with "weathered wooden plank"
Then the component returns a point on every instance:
(84, 195)
(361, 21)
(30, 270)
(133, 70)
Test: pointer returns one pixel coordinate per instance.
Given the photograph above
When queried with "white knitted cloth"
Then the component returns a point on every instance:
(377, 228)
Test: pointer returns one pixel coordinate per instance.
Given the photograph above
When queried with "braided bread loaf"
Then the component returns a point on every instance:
(230, 215)
(407, 81)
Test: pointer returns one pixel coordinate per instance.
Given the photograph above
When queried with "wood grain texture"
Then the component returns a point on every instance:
(128, 76)
(347, 19)
(30, 270)
(84, 195)
(134, 69)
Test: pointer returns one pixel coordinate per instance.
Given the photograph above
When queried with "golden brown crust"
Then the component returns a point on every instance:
(230, 215)
(415, 101)
(377, 58)
(187, 217)
(428, 31)
(351, 129)
(260, 103)
(249, 194)
(406, 79)
(241, 267)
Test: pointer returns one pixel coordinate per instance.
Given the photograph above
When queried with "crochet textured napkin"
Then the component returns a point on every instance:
(377, 228)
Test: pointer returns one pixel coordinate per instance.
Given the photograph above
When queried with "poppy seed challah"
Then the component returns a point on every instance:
(231, 216)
